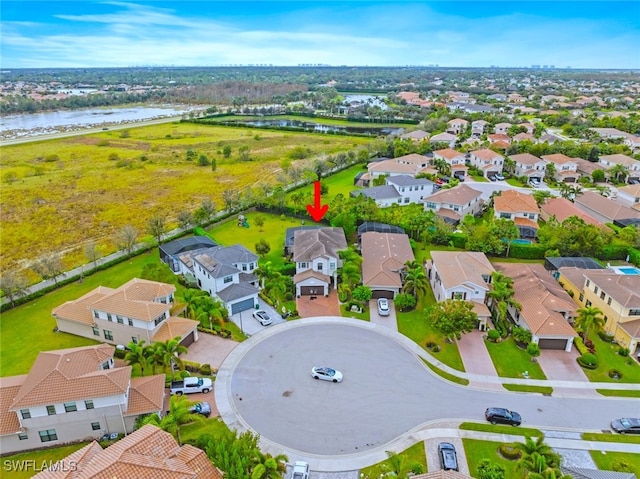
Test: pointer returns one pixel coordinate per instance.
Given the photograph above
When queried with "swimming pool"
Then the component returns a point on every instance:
(521, 241)
(628, 270)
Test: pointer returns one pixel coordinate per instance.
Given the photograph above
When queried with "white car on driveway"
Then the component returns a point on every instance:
(328, 374)
(262, 317)
(383, 306)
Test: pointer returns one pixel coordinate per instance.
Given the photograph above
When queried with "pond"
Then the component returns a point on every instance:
(318, 127)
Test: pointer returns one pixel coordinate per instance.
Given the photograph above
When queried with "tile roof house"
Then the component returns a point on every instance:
(586, 167)
(610, 133)
(453, 158)
(632, 165)
(546, 307)
(478, 127)
(138, 310)
(488, 161)
(444, 138)
(566, 169)
(502, 128)
(562, 208)
(399, 190)
(519, 207)
(148, 452)
(226, 273)
(529, 165)
(633, 142)
(616, 293)
(606, 210)
(73, 394)
(523, 137)
(417, 135)
(316, 254)
(499, 138)
(383, 261)
(629, 196)
(455, 203)
(457, 126)
(411, 164)
(462, 275)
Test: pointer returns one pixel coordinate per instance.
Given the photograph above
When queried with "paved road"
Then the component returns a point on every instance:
(387, 395)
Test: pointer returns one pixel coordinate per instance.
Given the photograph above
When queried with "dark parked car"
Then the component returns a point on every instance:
(459, 176)
(448, 458)
(499, 415)
(203, 408)
(492, 178)
(626, 425)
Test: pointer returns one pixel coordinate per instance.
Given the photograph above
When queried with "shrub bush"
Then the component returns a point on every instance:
(493, 335)
(191, 366)
(606, 336)
(205, 369)
(614, 374)
(119, 353)
(623, 352)
(582, 349)
(588, 361)
(527, 251)
(509, 451)
(620, 465)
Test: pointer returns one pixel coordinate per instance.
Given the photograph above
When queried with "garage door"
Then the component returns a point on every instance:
(187, 340)
(552, 343)
(242, 306)
(311, 290)
(380, 293)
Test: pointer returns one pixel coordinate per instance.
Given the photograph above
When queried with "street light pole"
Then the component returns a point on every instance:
(241, 329)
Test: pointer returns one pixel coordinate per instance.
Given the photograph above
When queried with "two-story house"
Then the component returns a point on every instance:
(465, 276)
(398, 190)
(519, 207)
(632, 165)
(454, 159)
(478, 128)
(629, 196)
(530, 166)
(455, 203)
(487, 161)
(383, 262)
(73, 394)
(315, 253)
(566, 169)
(613, 291)
(411, 164)
(138, 310)
(546, 310)
(457, 126)
(226, 273)
(502, 128)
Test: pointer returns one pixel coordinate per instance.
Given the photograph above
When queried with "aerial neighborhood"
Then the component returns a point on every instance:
(479, 253)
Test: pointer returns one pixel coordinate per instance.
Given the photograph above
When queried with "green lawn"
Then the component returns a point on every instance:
(608, 358)
(619, 393)
(339, 183)
(595, 436)
(606, 460)
(415, 327)
(510, 361)
(528, 389)
(21, 342)
(415, 453)
(36, 460)
(477, 450)
(214, 426)
(445, 375)
(350, 314)
(501, 429)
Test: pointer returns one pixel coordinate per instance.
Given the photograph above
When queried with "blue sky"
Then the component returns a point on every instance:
(580, 34)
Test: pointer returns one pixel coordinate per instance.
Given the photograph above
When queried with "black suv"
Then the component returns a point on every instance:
(501, 415)
(448, 458)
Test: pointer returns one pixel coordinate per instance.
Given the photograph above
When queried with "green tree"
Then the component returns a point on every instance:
(262, 247)
(618, 172)
(226, 151)
(589, 317)
(451, 318)
(166, 354)
(490, 470)
(156, 227)
(501, 296)
(362, 294)
(203, 160)
(179, 414)
(400, 465)
(125, 238)
(231, 452)
(259, 222)
(49, 266)
(533, 350)
(415, 279)
(269, 467)
(185, 219)
(537, 456)
(404, 301)
(214, 164)
(541, 196)
(506, 230)
(521, 335)
(191, 155)
(13, 286)
(139, 354)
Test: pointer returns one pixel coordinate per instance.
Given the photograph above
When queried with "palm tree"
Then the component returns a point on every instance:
(399, 464)
(298, 200)
(588, 317)
(350, 274)
(269, 467)
(618, 170)
(537, 457)
(415, 279)
(139, 354)
(179, 413)
(501, 295)
(166, 353)
(541, 195)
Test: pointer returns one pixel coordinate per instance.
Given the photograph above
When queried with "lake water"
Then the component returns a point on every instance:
(319, 128)
(34, 124)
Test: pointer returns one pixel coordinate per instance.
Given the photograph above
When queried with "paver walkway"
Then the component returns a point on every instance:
(320, 306)
(476, 358)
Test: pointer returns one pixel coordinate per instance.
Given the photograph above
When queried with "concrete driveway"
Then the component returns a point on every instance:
(390, 321)
(320, 306)
(249, 325)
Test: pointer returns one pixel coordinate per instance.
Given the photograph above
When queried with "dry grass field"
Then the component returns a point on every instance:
(58, 195)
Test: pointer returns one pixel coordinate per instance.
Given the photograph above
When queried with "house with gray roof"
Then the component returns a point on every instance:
(606, 210)
(399, 189)
(226, 273)
(170, 251)
(455, 203)
(315, 252)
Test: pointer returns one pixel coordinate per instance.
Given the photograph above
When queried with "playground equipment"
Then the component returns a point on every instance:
(242, 221)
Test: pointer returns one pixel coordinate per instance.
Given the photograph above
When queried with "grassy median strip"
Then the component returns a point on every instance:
(619, 393)
(597, 436)
(501, 429)
(445, 375)
(523, 388)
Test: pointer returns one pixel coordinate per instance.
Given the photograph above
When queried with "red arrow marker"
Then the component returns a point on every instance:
(316, 211)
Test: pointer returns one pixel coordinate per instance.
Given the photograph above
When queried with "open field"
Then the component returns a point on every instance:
(59, 194)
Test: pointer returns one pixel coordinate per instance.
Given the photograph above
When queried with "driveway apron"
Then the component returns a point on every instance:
(562, 366)
(319, 306)
(476, 358)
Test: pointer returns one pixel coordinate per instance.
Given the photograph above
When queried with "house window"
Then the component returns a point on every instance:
(588, 283)
(106, 365)
(458, 295)
(588, 303)
(48, 435)
(88, 404)
(51, 410)
(532, 216)
(303, 265)
(634, 312)
(70, 407)
(130, 321)
(406, 200)
(134, 339)
(505, 215)
(609, 301)
(251, 266)
(96, 314)
(319, 266)
(581, 297)
(431, 205)
(227, 279)
(158, 320)
(332, 266)
(95, 426)
(22, 436)
(109, 317)
(96, 330)
(108, 335)
(120, 319)
(602, 295)
(25, 413)
(596, 289)
(244, 267)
